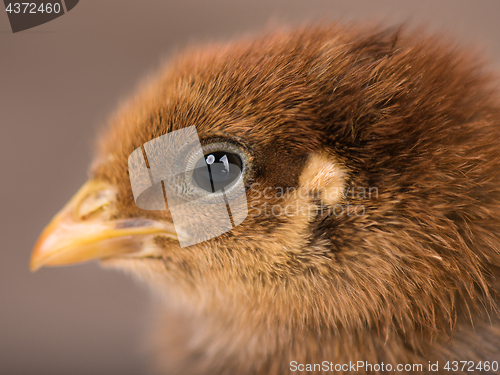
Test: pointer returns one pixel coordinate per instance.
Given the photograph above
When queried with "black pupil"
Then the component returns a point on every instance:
(216, 170)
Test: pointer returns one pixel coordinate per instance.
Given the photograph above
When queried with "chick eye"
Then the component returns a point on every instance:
(216, 170)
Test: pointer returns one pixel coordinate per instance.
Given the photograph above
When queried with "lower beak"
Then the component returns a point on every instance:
(85, 230)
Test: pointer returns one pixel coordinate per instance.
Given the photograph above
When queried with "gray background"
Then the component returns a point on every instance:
(58, 84)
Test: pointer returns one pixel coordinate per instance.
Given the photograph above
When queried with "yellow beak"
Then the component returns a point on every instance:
(85, 230)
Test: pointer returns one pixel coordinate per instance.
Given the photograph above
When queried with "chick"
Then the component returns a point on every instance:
(371, 169)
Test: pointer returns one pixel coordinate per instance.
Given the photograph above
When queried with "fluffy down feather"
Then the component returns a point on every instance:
(330, 110)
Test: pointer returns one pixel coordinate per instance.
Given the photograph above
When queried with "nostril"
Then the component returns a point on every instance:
(95, 204)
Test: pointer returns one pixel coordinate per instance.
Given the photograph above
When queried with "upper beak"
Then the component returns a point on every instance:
(85, 229)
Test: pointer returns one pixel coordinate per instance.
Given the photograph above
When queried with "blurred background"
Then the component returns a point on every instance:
(59, 82)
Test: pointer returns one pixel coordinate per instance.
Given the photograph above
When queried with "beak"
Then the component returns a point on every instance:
(85, 230)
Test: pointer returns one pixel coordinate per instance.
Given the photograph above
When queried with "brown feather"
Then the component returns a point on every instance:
(329, 108)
